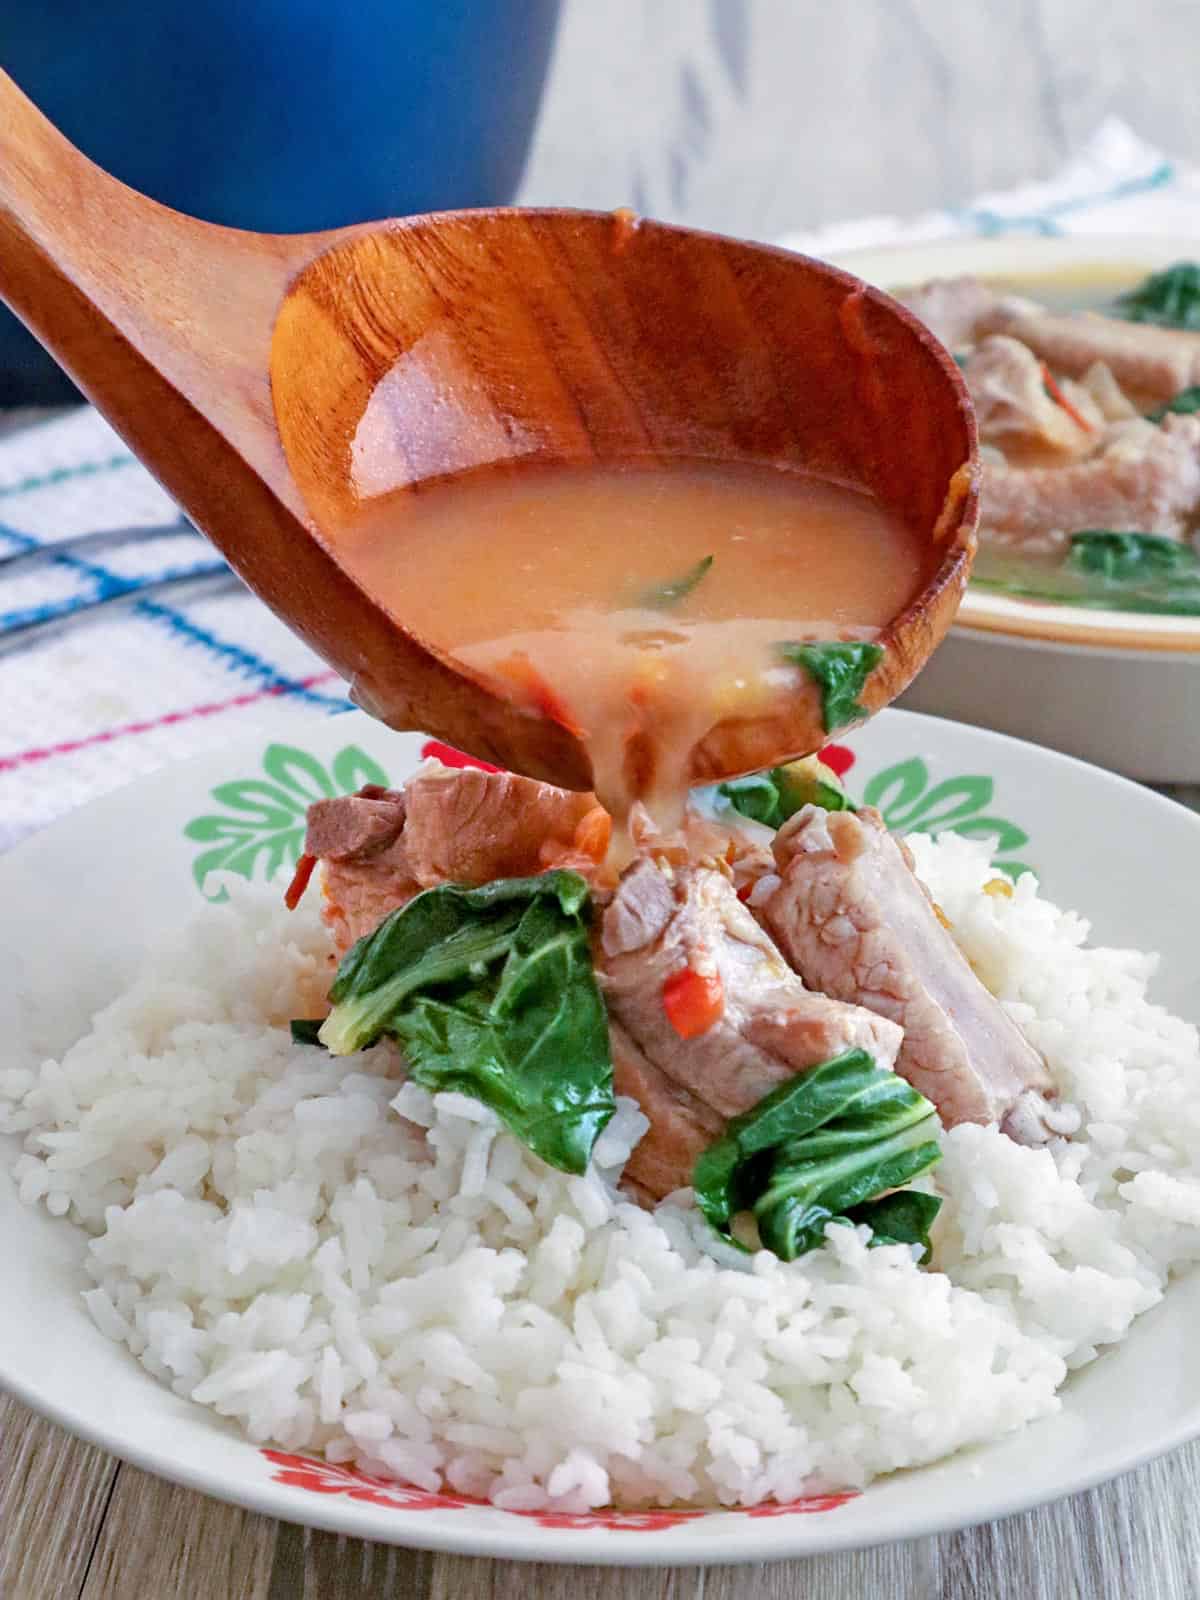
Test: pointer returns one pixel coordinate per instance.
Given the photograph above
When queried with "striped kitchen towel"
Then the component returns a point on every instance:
(149, 680)
(160, 677)
(1116, 184)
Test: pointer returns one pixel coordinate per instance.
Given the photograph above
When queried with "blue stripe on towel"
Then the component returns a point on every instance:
(109, 585)
(111, 588)
(44, 480)
(993, 223)
(245, 660)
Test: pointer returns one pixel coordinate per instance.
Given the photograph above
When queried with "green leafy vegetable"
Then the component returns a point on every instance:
(490, 991)
(839, 668)
(1170, 298)
(772, 797)
(1120, 556)
(824, 1147)
(904, 1217)
(756, 796)
(804, 1199)
(662, 596)
(1184, 403)
(1104, 571)
(306, 1030)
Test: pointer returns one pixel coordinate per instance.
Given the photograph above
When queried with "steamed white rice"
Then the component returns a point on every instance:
(341, 1263)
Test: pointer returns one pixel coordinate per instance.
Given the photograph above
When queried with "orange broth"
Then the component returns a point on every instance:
(636, 600)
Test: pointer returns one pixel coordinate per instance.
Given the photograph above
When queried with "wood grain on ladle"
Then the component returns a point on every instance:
(275, 383)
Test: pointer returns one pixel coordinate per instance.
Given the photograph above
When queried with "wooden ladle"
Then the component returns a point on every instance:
(268, 381)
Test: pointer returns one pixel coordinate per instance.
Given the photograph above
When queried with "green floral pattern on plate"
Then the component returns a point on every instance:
(260, 830)
(908, 804)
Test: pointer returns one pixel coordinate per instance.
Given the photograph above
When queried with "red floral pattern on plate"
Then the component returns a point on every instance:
(326, 1477)
(805, 1506)
(838, 758)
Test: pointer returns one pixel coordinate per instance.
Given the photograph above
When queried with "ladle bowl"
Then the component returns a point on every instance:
(276, 384)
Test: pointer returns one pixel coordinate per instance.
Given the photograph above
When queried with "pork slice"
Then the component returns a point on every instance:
(1012, 407)
(1111, 400)
(468, 826)
(449, 825)
(1152, 363)
(731, 842)
(855, 921)
(365, 870)
(354, 826)
(1146, 479)
(960, 311)
(357, 894)
(681, 1127)
(661, 921)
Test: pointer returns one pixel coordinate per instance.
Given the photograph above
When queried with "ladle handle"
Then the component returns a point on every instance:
(163, 321)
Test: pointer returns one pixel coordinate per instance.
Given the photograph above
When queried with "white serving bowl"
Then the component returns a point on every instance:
(81, 904)
(1116, 688)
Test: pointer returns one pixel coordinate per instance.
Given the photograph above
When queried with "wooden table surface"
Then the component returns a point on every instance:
(756, 117)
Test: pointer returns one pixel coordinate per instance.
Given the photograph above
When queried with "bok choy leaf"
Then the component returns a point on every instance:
(827, 1146)
(1105, 571)
(773, 796)
(839, 668)
(1169, 299)
(1122, 557)
(490, 992)
(1185, 404)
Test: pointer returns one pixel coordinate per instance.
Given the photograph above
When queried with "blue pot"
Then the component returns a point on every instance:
(281, 115)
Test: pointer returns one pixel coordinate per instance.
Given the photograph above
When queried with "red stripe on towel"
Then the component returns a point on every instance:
(67, 747)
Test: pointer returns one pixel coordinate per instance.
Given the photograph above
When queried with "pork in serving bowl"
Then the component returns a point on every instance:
(1091, 441)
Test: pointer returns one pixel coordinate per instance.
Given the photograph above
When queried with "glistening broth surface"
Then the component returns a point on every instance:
(581, 589)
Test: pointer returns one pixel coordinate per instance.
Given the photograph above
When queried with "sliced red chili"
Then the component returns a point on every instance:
(694, 1002)
(1059, 398)
(449, 757)
(299, 883)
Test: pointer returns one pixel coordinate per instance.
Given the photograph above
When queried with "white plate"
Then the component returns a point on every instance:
(80, 904)
(1118, 688)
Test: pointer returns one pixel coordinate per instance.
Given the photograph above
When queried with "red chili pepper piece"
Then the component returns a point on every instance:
(1060, 398)
(295, 889)
(449, 757)
(837, 757)
(694, 1002)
